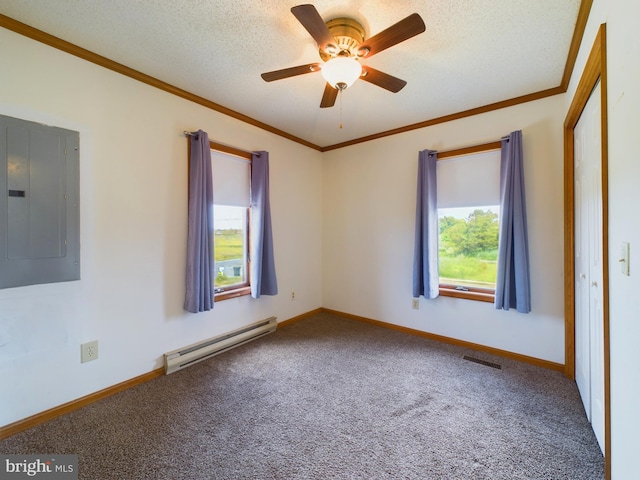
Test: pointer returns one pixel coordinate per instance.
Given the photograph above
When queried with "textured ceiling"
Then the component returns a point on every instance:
(473, 53)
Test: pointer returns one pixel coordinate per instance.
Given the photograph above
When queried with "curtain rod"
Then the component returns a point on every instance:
(226, 148)
(485, 147)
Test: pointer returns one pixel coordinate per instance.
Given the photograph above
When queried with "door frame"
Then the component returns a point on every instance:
(594, 70)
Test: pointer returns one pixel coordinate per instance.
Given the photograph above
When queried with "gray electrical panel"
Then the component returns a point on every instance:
(39, 203)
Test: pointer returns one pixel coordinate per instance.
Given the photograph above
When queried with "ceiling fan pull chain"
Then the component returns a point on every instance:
(340, 93)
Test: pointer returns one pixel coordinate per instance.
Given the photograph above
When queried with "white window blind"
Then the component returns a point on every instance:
(231, 179)
(469, 180)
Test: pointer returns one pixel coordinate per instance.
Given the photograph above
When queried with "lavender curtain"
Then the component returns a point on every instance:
(426, 279)
(512, 283)
(263, 269)
(200, 260)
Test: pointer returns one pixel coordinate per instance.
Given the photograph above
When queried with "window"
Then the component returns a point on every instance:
(468, 247)
(231, 199)
(468, 220)
(230, 246)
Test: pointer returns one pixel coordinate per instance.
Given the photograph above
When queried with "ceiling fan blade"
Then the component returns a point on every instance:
(310, 19)
(290, 72)
(329, 96)
(381, 79)
(401, 31)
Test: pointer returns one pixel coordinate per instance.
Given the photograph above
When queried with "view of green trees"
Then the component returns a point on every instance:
(468, 249)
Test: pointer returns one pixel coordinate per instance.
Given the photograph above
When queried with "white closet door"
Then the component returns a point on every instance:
(589, 321)
(582, 324)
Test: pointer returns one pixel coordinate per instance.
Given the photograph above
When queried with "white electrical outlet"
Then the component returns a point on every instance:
(89, 351)
(293, 295)
(415, 303)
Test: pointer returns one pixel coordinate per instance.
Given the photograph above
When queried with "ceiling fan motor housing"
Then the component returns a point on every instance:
(348, 33)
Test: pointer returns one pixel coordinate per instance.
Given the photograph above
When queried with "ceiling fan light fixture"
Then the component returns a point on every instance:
(341, 72)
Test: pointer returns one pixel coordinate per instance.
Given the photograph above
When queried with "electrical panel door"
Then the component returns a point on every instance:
(39, 210)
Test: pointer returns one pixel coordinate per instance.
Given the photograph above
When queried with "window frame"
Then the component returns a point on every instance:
(468, 293)
(238, 290)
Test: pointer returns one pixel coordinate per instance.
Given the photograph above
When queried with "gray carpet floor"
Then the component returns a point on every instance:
(331, 398)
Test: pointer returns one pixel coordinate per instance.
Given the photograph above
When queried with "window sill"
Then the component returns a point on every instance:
(480, 296)
(236, 292)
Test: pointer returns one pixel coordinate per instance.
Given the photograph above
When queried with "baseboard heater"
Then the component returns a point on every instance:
(186, 356)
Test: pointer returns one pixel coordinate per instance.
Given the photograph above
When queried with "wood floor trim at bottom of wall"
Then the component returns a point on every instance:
(50, 414)
(454, 341)
(311, 313)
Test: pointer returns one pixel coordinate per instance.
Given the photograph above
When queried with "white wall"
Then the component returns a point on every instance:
(623, 68)
(368, 232)
(133, 163)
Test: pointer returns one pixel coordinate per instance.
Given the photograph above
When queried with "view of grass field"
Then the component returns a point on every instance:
(468, 247)
(228, 245)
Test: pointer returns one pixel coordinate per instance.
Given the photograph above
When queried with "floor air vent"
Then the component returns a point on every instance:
(482, 362)
(186, 356)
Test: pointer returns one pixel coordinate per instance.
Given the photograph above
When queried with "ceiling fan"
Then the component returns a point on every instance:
(342, 44)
